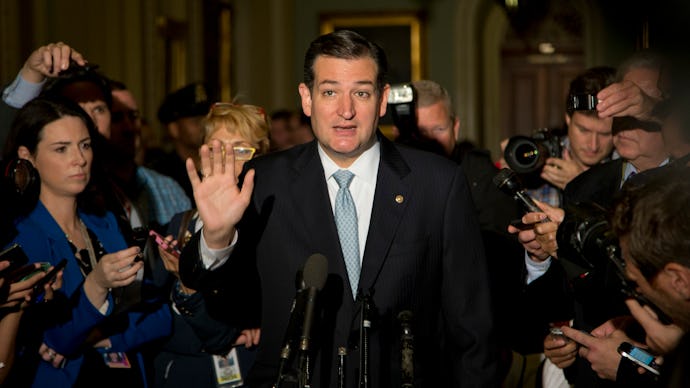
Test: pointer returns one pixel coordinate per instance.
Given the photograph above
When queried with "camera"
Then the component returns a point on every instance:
(402, 100)
(588, 248)
(526, 155)
(582, 101)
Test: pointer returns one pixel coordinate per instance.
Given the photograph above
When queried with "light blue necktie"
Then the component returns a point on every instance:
(346, 222)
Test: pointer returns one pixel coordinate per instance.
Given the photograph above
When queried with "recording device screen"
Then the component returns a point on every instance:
(639, 357)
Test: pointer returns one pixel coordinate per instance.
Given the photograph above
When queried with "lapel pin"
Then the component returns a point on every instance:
(399, 198)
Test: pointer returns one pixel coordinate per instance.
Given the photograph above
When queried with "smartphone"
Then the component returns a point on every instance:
(38, 292)
(517, 223)
(16, 256)
(639, 356)
(160, 240)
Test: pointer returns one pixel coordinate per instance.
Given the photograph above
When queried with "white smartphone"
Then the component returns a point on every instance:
(639, 357)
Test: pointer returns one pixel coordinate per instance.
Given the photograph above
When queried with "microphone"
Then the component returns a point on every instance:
(314, 276)
(406, 349)
(308, 281)
(509, 183)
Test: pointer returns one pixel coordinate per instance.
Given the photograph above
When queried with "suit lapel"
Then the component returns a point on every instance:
(310, 196)
(390, 201)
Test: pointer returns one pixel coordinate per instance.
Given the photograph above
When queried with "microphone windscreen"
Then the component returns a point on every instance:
(315, 271)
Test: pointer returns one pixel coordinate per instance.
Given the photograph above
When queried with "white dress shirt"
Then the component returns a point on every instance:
(362, 187)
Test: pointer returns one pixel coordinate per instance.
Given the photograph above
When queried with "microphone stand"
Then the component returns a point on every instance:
(365, 325)
(406, 350)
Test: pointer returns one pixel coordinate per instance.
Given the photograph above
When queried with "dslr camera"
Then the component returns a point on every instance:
(402, 100)
(587, 245)
(527, 155)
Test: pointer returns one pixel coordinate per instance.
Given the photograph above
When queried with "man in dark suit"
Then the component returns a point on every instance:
(416, 232)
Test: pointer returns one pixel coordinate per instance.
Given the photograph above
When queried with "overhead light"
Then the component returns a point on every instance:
(546, 48)
(512, 4)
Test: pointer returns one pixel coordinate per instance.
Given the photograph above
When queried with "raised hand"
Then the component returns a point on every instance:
(219, 200)
(626, 98)
(49, 61)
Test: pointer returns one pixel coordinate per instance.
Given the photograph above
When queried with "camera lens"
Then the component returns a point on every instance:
(524, 155)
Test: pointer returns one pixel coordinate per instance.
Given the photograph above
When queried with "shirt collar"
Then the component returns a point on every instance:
(364, 168)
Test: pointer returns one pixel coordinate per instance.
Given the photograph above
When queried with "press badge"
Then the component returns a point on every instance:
(227, 368)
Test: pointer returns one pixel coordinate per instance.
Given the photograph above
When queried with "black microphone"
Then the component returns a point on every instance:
(314, 276)
(406, 349)
(307, 279)
(508, 181)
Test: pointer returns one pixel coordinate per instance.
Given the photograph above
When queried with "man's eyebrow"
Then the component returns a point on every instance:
(333, 82)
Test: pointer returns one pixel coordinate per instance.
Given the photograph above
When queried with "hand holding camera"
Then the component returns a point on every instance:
(559, 172)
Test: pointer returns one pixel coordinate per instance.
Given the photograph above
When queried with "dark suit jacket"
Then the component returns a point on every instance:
(423, 253)
(597, 297)
(598, 184)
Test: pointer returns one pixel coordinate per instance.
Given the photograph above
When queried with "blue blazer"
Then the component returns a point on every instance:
(43, 240)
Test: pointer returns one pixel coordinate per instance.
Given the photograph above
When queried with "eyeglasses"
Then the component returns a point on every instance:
(240, 152)
(243, 153)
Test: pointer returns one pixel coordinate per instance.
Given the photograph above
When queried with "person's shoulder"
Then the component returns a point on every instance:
(595, 179)
(596, 172)
(105, 221)
(422, 157)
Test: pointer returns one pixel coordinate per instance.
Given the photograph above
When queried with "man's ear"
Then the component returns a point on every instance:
(174, 130)
(23, 153)
(679, 275)
(305, 96)
(567, 119)
(384, 100)
(456, 127)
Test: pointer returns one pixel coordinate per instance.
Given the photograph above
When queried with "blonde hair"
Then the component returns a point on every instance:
(248, 121)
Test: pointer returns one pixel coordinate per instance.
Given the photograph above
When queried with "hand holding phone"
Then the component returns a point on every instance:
(160, 240)
(38, 292)
(16, 256)
(639, 356)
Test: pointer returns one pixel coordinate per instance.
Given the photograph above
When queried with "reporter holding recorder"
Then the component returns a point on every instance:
(56, 135)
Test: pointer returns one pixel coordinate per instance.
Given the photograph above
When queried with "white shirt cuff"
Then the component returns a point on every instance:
(214, 258)
(19, 92)
(536, 269)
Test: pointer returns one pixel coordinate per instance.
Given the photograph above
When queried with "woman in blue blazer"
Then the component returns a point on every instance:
(79, 346)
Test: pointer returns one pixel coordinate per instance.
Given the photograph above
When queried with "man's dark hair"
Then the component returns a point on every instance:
(345, 44)
(655, 219)
(591, 81)
(282, 114)
(60, 85)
